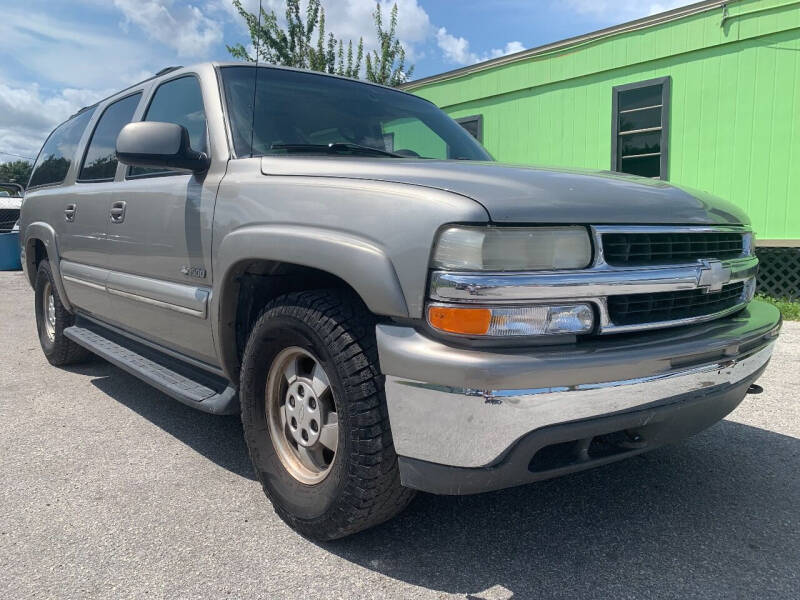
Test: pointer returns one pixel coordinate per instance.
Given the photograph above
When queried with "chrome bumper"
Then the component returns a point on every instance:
(465, 408)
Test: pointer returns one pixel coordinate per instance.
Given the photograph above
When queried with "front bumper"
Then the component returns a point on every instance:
(471, 411)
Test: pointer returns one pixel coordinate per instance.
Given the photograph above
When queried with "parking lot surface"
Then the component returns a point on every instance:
(109, 489)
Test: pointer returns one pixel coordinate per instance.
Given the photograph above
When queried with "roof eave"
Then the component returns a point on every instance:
(638, 24)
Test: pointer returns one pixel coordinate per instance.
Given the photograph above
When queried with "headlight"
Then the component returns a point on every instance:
(462, 248)
(541, 319)
(15, 227)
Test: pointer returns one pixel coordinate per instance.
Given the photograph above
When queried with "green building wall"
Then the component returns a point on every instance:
(734, 125)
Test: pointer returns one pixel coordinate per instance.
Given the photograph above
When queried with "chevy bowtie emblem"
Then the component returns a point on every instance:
(713, 276)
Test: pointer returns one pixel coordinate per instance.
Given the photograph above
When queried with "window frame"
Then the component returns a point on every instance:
(94, 130)
(92, 109)
(479, 119)
(666, 84)
(390, 135)
(143, 118)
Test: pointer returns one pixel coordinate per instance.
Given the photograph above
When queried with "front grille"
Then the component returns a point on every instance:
(636, 309)
(8, 217)
(637, 249)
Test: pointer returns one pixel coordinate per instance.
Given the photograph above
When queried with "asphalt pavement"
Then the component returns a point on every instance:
(109, 489)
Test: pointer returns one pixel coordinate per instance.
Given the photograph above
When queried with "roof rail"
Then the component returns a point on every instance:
(163, 71)
(166, 70)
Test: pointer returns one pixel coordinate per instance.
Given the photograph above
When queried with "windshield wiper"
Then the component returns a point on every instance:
(333, 148)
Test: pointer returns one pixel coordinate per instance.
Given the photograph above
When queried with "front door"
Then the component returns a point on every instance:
(159, 237)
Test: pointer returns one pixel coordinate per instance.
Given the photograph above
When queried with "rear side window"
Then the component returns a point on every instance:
(59, 151)
(100, 161)
(178, 101)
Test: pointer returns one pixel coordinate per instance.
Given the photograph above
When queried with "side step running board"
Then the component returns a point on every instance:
(179, 380)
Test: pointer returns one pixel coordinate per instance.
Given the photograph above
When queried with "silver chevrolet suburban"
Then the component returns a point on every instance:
(389, 309)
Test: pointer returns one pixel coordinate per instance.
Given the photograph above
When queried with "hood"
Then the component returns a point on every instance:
(523, 194)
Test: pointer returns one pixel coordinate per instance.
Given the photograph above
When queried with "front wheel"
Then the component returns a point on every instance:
(315, 417)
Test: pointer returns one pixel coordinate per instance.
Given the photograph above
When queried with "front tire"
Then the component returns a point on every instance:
(52, 318)
(315, 417)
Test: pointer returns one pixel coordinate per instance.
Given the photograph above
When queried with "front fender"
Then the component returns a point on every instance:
(359, 262)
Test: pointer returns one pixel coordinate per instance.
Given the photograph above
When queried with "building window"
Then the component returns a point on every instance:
(388, 141)
(474, 125)
(640, 128)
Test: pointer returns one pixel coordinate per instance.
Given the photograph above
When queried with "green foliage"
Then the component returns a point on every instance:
(18, 171)
(387, 64)
(293, 46)
(790, 309)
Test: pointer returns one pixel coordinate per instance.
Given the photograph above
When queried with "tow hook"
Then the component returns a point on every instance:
(754, 389)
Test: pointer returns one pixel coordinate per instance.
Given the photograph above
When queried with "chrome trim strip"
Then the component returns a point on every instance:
(671, 228)
(454, 286)
(473, 428)
(597, 232)
(94, 286)
(85, 273)
(606, 326)
(160, 303)
(191, 297)
(185, 299)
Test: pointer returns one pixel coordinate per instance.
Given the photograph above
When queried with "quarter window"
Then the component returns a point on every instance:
(640, 128)
(100, 162)
(178, 101)
(59, 151)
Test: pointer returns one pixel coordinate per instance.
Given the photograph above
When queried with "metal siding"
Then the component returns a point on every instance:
(734, 115)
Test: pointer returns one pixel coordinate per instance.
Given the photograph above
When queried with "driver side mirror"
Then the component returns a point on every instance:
(160, 145)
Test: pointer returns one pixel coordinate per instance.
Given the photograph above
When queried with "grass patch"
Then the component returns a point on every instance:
(790, 309)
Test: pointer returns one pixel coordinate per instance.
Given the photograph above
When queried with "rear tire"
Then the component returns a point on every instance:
(52, 318)
(334, 493)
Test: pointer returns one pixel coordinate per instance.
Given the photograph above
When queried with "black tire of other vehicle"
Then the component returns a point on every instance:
(362, 488)
(59, 350)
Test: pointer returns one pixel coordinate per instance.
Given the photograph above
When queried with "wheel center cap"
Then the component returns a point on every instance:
(302, 412)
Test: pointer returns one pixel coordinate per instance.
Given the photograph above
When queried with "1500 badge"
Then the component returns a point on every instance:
(196, 272)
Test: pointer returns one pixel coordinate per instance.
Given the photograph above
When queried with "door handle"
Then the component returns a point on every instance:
(118, 212)
(69, 212)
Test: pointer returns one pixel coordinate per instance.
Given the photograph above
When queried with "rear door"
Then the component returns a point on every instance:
(79, 221)
(160, 236)
(84, 251)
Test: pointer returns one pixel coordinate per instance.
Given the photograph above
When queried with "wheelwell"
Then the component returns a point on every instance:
(36, 253)
(261, 281)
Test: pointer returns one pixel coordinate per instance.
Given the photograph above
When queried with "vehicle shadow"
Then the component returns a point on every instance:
(218, 438)
(715, 516)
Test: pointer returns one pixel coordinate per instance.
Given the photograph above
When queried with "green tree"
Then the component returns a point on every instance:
(292, 46)
(18, 171)
(387, 64)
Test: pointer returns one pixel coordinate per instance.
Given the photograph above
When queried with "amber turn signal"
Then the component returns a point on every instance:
(466, 321)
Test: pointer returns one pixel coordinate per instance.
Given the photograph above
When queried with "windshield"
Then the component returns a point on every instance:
(298, 112)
